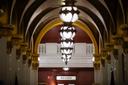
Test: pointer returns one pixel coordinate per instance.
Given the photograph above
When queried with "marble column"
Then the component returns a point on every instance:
(33, 77)
(12, 67)
(126, 68)
(3, 61)
(7, 64)
(20, 73)
(98, 77)
(104, 73)
(27, 75)
(118, 69)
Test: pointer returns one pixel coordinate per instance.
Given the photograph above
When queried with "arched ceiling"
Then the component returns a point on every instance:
(31, 16)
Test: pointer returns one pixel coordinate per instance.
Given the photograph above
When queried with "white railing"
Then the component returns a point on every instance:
(50, 55)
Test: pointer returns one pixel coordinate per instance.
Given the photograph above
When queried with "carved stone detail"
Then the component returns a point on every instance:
(117, 41)
(109, 46)
(6, 30)
(96, 65)
(17, 39)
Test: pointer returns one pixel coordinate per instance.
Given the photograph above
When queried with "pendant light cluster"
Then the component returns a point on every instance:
(68, 14)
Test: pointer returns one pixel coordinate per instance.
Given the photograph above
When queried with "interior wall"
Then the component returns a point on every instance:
(84, 76)
(53, 36)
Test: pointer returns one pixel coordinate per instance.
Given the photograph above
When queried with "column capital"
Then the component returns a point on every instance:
(109, 46)
(23, 47)
(28, 52)
(97, 57)
(124, 30)
(117, 40)
(96, 65)
(17, 39)
(6, 30)
(35, 65)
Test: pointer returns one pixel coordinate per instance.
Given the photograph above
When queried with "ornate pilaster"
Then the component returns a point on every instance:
(124, 33)
(6, 30)
(17, 39)
(103, 57)
(29, 56)
(97, 59)
(23, 47)
(35, 62)
(97, 70)
(109, 47)
(14, 40)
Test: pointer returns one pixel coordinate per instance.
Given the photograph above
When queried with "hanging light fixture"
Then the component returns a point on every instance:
(69, 12)
(67, 32)
(66, 56)
(65, 68)
(65, 59)
(66, 43)
(67, 50)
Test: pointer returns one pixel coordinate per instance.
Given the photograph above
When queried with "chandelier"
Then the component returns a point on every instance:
(67, 32)
(66, 58)
(66, 50)
(68, 14)
(66, 43)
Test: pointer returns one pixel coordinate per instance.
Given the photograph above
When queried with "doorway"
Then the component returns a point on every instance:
(66, 83)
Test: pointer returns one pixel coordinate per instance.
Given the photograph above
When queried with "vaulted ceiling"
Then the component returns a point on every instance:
(99, 19)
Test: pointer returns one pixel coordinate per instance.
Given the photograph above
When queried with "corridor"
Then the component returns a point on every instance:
(63, 42)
